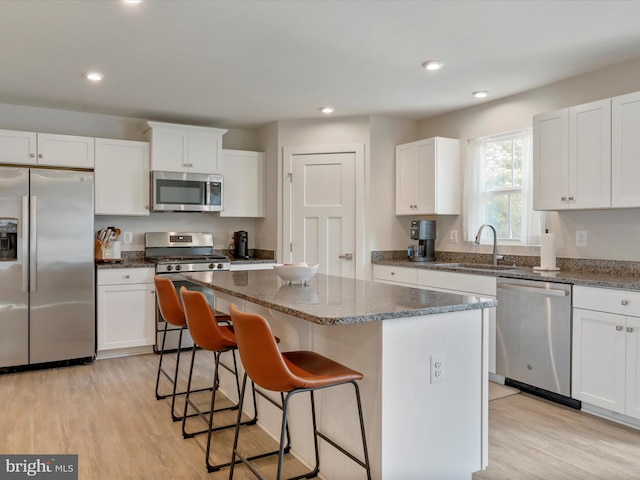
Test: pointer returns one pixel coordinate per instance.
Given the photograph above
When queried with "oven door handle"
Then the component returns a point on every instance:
(555, 292)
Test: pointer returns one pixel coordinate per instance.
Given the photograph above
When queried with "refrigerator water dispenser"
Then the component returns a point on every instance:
(8, 239)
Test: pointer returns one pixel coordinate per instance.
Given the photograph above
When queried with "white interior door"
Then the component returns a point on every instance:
(322, 209)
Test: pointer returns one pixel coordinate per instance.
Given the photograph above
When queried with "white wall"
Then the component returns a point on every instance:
(34, 119)
(611, 234)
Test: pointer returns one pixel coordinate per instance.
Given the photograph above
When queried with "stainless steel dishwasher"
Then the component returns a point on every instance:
(533, 338)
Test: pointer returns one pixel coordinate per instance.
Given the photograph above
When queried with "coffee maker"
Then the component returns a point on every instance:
(8, 239)
(425, 232)
(240, 245)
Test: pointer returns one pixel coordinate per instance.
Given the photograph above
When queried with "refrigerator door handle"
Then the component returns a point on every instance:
(24, 223)
(33, 258)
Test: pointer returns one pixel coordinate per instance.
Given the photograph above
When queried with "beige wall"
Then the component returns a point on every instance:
(611, 234)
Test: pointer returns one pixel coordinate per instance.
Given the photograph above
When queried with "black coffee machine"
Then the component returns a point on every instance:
(425, 232)
(240, 245)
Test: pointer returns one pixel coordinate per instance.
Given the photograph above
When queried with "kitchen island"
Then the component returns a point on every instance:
(419, 425)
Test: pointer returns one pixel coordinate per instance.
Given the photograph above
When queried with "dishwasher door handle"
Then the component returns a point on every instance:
(555, 292)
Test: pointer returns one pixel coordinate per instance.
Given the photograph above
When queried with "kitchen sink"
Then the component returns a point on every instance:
(475, 266)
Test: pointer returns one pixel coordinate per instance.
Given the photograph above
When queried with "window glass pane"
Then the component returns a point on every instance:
(504, 211)
(503, 164)
(498, 214)
(516, 216)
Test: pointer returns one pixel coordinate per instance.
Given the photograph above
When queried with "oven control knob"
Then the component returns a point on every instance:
(219, 266)
(178, 267)
(169, 268)
(211, 266)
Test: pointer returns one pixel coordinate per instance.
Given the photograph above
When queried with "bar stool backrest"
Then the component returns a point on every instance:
(201, 320)
(169, 302)
(260, 355)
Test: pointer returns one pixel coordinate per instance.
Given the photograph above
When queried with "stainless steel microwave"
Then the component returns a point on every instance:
(186, 192)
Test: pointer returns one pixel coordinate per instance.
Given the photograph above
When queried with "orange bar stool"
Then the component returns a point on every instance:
(209, 335)
(289, 373)
(173, 314)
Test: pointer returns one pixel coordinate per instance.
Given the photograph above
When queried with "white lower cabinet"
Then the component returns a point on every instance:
(126, 308)
(448, 282)
(407, 277)
(465, 284)
(606, 349)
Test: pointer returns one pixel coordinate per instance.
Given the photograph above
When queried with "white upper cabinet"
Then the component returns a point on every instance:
(428, 177)
(625, 150)
(183, 148)
(18, 147)
(243, 173)
(28, 148)
(121, 177)
(572, 158)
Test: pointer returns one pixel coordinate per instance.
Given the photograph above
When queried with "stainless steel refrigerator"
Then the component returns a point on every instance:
(47, 293)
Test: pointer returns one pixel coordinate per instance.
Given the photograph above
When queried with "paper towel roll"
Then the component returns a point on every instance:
(548, 251)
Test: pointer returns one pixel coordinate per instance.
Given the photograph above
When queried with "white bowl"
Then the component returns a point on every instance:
(295, 272)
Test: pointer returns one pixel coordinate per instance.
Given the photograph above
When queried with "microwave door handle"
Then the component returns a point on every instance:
(207, 194)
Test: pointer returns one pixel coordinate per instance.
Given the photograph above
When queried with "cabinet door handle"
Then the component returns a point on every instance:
(152, 292)
(630, 329)
(393, 273)
(40, 155)
(624, 302)
(127, 276)
(619, 328)
(346, 256)
(563, 198)
(32, 155)
(570, 198)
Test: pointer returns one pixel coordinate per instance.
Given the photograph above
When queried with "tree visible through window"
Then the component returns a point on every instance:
(498, 188)
(503, 187)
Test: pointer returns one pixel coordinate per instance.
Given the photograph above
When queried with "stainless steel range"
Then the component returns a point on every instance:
(175, 253)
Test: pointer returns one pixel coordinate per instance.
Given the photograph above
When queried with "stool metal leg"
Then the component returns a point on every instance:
(164, 338)
(316, 435)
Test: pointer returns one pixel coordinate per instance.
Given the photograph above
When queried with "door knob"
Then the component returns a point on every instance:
(347, 256)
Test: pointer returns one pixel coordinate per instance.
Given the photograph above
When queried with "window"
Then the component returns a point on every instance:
(497, 188)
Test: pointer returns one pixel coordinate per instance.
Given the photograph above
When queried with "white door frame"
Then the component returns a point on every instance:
(288, 154)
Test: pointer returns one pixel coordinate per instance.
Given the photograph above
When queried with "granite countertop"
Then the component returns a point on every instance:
(612, 277)
(329, 300)
(135, 259)
(127, 262)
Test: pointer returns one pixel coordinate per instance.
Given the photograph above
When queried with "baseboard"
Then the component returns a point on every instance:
(124, 352)
(609, 415)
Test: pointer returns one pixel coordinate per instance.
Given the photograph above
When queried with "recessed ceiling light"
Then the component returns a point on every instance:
(433, 65)
(327, 110)
(480, 94)
(132, 2)
(94, 76)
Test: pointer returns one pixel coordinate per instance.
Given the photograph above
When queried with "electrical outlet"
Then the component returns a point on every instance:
(438, 368)
(453, 236)
(581, 238)
(127, 237)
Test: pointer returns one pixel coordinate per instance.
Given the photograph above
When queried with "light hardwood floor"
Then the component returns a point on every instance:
(106, 412)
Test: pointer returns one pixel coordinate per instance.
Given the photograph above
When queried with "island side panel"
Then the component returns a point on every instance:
(433, 430)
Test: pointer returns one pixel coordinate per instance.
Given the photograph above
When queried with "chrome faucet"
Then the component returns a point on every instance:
(496, 257)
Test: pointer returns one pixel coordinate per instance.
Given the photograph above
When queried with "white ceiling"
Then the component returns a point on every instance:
(247, 63)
